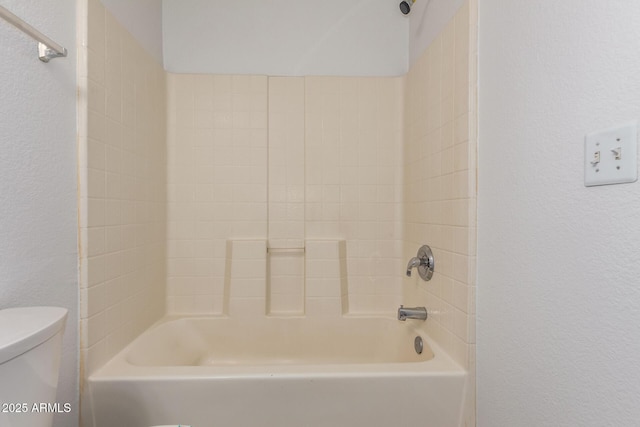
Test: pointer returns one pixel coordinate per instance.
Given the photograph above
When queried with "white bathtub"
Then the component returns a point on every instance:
(278, 372)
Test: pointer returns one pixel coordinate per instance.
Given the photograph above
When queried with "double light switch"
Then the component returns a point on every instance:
(611, 155)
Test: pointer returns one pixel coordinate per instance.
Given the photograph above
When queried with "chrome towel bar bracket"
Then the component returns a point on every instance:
(47, 48)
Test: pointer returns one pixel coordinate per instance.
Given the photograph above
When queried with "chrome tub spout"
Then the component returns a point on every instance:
(405, 313)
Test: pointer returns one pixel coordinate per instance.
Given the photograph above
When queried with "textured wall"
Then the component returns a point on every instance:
(558, 295)
(38, 208)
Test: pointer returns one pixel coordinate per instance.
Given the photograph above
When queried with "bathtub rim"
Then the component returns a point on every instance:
(119, 368)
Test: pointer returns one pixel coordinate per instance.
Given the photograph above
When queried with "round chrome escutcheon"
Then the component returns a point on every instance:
(427, 264)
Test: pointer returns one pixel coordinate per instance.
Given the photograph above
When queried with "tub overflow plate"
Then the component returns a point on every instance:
(418, 345)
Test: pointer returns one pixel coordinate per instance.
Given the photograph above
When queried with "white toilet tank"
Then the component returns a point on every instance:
(30, 346)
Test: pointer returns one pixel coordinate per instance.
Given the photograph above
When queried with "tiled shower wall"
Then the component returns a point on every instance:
(327, 167)
(122, 175)
(353, 166)
(286, 261)
(440, 145)
(217, 182)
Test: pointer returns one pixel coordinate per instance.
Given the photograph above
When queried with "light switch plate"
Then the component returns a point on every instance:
(611, 155)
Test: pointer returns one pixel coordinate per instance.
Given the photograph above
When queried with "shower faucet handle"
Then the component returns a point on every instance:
(424, 262)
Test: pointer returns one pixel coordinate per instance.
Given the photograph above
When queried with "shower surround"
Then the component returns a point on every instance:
(273, 196)
(281, 162)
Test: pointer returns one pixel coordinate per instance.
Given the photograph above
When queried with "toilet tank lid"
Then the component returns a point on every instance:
(24, 328)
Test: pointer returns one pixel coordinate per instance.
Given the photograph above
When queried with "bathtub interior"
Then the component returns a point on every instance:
(203, 341)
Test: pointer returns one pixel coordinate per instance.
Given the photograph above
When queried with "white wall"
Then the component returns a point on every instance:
(426, 21)
(558, 271)
(143, 19)
(38, 219)
(360, 38)
(283, 37)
